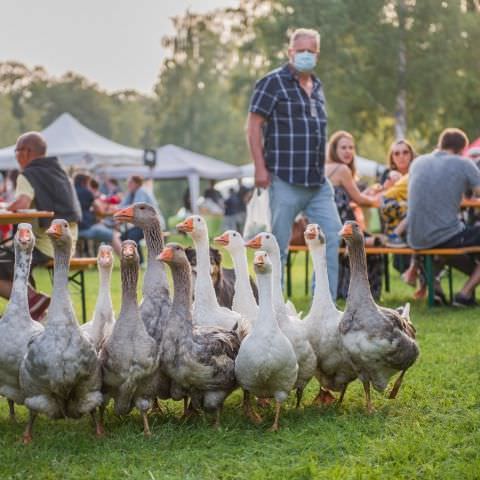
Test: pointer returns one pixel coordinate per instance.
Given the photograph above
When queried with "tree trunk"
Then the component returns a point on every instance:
(401, 100)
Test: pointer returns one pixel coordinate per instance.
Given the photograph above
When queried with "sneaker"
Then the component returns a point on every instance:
(395, 241)
(460, 300)
(37, 304)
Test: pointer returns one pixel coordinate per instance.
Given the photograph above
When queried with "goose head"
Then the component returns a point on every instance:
(314, 236)
(105, 257)
(59, 233)
(352, 233)
(195, 226)
(129, 253)
(24, 237)
(141, 214)
(173, 254)
(231, 240)
(266, 241)
(262, 263)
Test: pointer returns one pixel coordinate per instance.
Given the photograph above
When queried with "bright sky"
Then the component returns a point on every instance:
(115, 43)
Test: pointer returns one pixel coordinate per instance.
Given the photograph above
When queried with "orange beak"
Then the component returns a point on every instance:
(255, 243)
(24, 235)
(128, 251)
(186, 226)
(166, 255)
(124, 215)
(55, 230)
(346, 230)
(310, 233)
(259, 260)
(222, 239)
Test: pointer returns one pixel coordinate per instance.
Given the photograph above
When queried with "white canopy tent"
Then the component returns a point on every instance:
(177, 162)
(75, 144)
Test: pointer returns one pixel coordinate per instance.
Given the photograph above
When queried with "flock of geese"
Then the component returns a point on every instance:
(195, 351)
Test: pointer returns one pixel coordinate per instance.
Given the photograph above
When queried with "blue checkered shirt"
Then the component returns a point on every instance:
(296, 127)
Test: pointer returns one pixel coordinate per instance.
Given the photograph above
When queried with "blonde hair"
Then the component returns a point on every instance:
(304, 32)
(332, 156)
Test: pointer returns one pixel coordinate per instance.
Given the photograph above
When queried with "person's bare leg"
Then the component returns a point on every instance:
(471, 283)
(5, 288)
(401, 227)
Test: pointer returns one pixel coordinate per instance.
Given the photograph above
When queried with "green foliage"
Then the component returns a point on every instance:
(430, 431)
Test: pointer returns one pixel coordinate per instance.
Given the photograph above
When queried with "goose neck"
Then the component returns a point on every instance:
(266, 320)
(242, 281)
(321, 297)
(278, 299)
(204, 290)
(182, 291)
(19, 295)
(153, 239)
(359, 288)
(129, 276)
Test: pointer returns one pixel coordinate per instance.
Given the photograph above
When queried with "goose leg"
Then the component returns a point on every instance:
(146, 427)
(299, 396)
(275, 427)
(11, 410)
(27, 434)
(366, 387)
(396, 386)
(248, 409)
(156, 407)
(98, 421)
(342, 394)
(217, 423)
(188, 409)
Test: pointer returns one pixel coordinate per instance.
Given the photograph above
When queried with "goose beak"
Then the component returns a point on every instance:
(310, 232)
(346, 231)
(105, 258)
(128, 251)
(166, 255)
(24, 235)
(55, 230)
(222, 239)
(124, 215)
(255, 243)
(186, 226)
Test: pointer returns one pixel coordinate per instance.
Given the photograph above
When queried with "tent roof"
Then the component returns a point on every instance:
(178, 162)
(76, 144)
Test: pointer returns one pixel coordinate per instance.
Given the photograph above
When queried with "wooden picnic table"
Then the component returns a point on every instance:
(471, 202)
(21, 216)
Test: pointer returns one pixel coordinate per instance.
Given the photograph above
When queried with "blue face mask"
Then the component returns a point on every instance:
(304, 61)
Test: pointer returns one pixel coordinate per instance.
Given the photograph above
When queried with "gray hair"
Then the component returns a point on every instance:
(304, 32)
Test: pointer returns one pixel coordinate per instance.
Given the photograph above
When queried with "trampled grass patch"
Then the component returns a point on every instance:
(432, 430)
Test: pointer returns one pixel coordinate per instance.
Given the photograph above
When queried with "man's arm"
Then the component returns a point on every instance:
(22, 202)
(255, 144)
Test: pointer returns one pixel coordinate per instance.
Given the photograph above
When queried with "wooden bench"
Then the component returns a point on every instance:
(77, 277)
(385, 251)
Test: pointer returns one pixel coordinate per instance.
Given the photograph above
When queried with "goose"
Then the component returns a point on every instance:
(16, 326)
(156, 297)
(243, 299)
(206, 310)
(291, 326)
(130, 356)
(200, 360)
(379, 341)
(100, 326)
(60, 373)
(266, 363)
(334, 371)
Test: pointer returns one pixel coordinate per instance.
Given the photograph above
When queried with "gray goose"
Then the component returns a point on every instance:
(379, 341)
(200, 360)
(16, 326)
(130, 356)
(60, 373)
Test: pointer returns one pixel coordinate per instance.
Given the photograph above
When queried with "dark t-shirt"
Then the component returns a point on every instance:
(86, 200)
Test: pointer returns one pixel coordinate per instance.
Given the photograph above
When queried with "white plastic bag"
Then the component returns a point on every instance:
(258, 214)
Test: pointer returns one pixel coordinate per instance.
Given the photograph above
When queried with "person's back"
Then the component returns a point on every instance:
(437, 183)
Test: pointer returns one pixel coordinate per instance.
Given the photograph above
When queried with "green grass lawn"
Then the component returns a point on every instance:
(431, 431)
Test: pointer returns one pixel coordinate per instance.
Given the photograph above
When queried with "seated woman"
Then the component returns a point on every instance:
(341, 171)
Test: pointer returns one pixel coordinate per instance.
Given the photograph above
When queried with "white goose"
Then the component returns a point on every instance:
(206, 310)
(243, 299)
(99, 328)
(294, 328)
(334, 370)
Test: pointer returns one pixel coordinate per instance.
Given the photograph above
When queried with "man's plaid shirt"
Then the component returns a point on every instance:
(295, 131)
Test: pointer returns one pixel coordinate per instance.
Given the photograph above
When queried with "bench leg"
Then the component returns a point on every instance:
(450, 282)
(386, 269)
(82, 293)
(289, 275)
(430, 280)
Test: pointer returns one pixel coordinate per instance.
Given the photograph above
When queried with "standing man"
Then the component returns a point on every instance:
(436, 185)
(42, 184)
(286, 133)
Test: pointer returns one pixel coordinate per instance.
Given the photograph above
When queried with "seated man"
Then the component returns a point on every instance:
(88, 227)
(44, 185)
(137, 193)
(437, 183)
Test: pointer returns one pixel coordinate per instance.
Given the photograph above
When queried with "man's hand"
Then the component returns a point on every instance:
(21, 203)
(262, 177)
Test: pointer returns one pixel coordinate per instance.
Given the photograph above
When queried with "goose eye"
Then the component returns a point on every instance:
(267, 237)
(234, 234)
